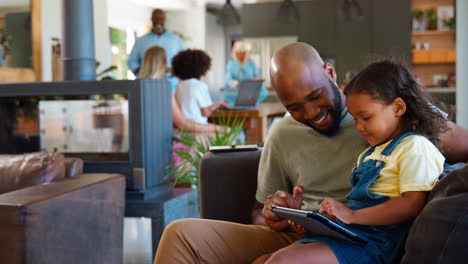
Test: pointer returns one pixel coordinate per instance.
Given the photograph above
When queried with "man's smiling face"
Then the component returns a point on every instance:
(311, 97)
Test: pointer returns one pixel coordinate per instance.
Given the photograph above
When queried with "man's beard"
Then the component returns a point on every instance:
(336, 112)
(159, 29)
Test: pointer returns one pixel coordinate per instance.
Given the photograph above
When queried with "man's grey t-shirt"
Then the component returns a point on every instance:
(295, 154)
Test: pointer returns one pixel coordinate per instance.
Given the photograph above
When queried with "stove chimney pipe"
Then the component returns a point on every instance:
(79, 62)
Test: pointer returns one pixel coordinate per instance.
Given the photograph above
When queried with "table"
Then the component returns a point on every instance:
(180, 203)
(256, 119)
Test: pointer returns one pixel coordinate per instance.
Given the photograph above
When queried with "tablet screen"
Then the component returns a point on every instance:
(316, 224)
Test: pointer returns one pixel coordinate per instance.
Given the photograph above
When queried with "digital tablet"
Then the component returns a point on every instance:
(317, 224)
(233, 148)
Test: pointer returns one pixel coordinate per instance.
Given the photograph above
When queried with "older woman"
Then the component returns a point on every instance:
(240, 68)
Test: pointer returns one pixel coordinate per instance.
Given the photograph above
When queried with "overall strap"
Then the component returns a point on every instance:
(366, 154)
(388, 150)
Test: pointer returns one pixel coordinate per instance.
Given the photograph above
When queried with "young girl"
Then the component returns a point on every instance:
(192, 94)
(393, 176)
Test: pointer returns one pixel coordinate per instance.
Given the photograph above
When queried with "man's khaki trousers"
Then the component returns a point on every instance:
(216, 242)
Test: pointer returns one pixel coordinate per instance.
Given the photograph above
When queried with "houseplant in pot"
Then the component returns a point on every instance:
(186, 173)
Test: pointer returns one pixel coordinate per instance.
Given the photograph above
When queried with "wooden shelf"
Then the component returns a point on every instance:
(433, 32)
(434, 56)
(441, 89)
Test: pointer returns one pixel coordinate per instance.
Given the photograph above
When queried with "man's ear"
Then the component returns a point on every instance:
(330, 71)
(399, 106)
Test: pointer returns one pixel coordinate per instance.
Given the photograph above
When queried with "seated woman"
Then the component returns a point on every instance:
(240, 68)
(192, 94)
(154, 66)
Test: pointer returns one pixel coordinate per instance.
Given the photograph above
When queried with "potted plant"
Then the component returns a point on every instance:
(419, 22)
(431, 19)
(186, 173)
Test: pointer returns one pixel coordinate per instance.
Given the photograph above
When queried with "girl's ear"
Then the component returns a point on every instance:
(399, 106)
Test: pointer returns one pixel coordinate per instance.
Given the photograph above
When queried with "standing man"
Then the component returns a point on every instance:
(158, 36)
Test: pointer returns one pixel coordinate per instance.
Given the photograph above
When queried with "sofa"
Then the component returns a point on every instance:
(228, 182)
(50, 212)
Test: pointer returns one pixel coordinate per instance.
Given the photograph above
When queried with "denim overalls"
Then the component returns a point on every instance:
(385, 243)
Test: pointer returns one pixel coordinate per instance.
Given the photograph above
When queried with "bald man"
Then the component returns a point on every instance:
(307, 156)
(158, 36)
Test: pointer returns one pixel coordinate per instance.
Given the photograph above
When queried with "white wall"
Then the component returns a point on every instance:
(191, 24)
(215, 47)
(462, 63)
(51, 26)
(102, 43)
(128, 16)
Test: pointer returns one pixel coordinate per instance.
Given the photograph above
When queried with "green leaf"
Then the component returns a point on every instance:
(187, 171)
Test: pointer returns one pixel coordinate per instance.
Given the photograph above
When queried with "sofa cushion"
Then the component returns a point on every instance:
(20, 171)
(440, 233)
(73, 167)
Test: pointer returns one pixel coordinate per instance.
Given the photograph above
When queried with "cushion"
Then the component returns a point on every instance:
(73, 167)
(440, 233)
(25, 170)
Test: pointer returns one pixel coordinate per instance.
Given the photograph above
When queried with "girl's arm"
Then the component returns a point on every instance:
(182, 123)
(393, 211)
(206, 111)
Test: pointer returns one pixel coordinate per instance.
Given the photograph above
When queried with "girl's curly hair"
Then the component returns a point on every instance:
(191, 63)
(385, 81)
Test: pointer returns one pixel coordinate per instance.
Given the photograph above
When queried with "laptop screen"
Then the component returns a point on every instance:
(248, 92)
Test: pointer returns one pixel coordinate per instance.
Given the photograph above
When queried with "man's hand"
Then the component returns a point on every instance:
(335, 208)
(284, 199)
(297, 228)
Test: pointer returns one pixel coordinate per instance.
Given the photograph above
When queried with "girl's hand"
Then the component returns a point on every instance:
(340, 210)
(297, 228)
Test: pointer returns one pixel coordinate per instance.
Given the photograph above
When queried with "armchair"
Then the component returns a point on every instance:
(228, 182)
(56, 214)
(439, 234)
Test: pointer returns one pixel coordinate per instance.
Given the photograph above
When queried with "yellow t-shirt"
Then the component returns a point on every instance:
(414, 165)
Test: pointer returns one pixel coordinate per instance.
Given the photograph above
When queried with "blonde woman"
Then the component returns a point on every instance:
(240, 68)
(155, 67)
(154, 64)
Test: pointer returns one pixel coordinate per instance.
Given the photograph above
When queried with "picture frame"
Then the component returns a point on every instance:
(444, 15)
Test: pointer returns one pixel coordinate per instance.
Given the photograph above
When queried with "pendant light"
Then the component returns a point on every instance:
(350, 10)
(288, 13)
(229, 15)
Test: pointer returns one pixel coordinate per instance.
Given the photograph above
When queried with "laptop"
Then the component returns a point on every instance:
(248, 93)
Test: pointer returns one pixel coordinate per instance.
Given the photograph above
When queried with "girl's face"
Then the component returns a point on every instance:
(376, 121)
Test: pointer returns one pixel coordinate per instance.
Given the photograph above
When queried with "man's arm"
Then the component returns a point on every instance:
(133, 61)
(454, 143)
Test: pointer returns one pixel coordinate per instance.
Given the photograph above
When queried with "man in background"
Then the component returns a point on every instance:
(158, 36)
